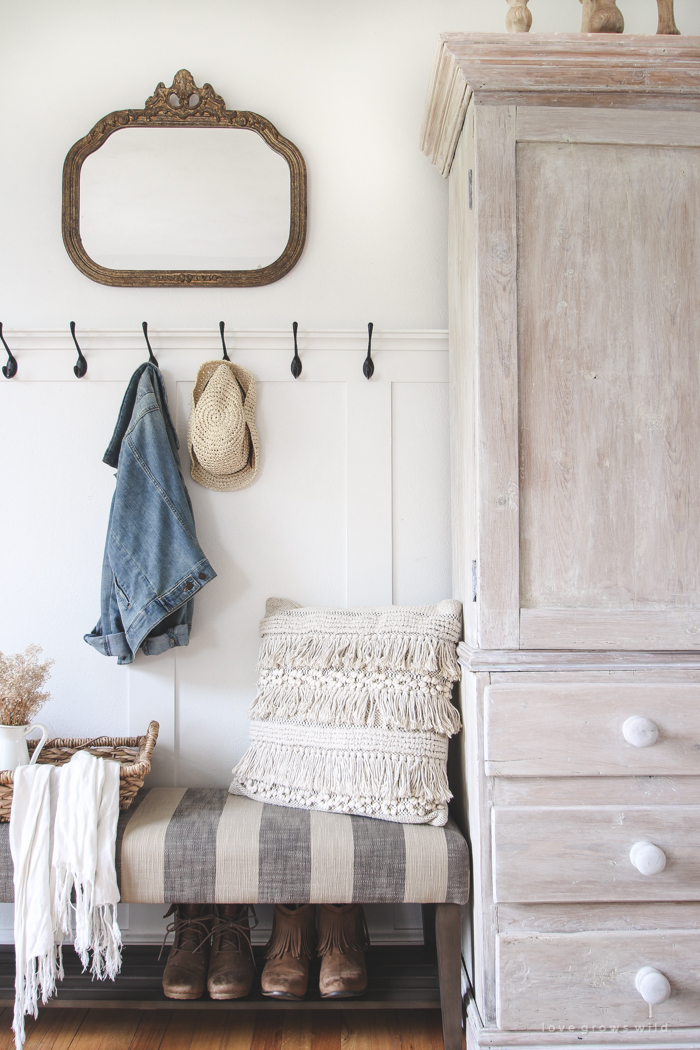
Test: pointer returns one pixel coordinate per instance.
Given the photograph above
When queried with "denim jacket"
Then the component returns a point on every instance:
(153, 565)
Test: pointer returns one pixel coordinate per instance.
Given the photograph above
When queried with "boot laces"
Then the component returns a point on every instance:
(233, 934)
(191, 932)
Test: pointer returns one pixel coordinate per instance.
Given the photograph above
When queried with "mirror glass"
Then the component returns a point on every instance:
(156, 198)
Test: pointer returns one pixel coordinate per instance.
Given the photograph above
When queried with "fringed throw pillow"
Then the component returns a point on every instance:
(353, 711)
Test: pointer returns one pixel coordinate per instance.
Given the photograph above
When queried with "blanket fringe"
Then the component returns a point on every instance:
(39, 978)
(96, 929)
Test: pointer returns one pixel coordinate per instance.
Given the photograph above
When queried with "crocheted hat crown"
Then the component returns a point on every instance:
(221, 433)
(220, 437)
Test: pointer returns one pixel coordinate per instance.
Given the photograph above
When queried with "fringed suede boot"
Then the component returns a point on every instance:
(288, 951)
(185, 974)
(231, 962)
(343, 940)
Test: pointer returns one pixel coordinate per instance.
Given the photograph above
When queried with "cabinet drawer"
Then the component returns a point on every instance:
(582, 853)
(586, 979)
(576, 729)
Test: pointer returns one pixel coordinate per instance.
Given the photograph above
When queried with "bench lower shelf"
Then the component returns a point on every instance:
(402, 978)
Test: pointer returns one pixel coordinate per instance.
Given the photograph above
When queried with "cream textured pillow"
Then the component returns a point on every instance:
(353, 711)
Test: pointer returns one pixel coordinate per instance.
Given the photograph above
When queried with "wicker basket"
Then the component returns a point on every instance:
(133, 752)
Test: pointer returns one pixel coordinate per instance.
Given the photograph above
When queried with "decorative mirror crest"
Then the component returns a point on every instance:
(183, 105)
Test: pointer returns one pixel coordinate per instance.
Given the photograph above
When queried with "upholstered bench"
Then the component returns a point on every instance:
(177, 845)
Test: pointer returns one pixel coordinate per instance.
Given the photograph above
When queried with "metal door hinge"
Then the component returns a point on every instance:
(471, 193)
(474, 581)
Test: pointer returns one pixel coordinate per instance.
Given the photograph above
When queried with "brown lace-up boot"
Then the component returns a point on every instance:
(288, 951)
(342, 942)
(231, 963)
(185, 974)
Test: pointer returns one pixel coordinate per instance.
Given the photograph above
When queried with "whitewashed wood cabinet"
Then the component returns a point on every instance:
(574, 167)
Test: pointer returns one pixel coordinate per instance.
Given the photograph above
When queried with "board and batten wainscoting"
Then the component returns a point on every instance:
(350, 507)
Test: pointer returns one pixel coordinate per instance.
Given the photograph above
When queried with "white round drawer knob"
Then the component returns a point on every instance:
(652, 986)
(640, 732)
(648, 858)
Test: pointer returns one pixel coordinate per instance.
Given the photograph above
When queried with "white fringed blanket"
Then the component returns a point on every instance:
(353, 711)
(78, 807)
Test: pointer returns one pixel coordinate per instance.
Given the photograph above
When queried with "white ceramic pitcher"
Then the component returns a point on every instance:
(13, 745)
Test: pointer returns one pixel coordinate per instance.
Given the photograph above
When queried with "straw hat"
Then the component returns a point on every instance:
(221, 435)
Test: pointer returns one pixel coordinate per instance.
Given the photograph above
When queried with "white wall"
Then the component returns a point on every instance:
(351, 505)
(343, 79)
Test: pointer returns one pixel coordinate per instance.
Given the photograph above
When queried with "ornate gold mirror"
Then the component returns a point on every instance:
(224, 205)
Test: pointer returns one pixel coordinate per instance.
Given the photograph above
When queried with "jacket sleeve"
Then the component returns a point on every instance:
(155, 561)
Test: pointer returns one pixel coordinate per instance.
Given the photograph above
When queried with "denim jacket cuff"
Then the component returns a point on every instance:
(165, 604)
(111, 645)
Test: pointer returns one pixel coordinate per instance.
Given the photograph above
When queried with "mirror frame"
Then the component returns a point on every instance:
(207, 111)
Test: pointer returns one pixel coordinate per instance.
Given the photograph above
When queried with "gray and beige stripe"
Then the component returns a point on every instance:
(267, 854)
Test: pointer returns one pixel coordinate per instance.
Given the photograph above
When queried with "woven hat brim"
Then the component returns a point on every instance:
(243, 477)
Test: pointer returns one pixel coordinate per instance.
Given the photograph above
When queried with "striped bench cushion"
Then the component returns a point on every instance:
(205, 845)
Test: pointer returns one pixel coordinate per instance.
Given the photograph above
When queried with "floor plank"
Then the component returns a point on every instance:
(50, 1027)
(296, 1033)
(325, 1030)
(69, 1024)
(75, 1029)
(53, 1030)
(239, 1031)
(115, 1032)
(267, 1034)
(223, 1028)
(181, 1030)
(413, 1033)
(433, 1020)
(6, 1034)
(355, 1032)
(151, 1030)
(384, 1029)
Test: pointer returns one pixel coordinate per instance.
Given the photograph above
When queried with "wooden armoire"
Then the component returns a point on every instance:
(574, 273)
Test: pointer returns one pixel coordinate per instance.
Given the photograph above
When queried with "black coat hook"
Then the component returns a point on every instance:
(296, 360)
(221, 329)
(10, 369)
(368, 363)
(151, 357)
(80, 367)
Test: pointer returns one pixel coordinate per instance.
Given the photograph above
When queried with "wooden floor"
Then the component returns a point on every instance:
(126, 1029)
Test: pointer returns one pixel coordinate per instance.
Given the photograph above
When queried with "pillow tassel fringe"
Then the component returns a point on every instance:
(357, 704)
(348, 774)
(397, 652)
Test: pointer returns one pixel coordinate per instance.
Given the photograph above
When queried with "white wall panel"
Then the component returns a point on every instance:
(369, 493)
(351, 500)
(421, 493)
(55, 495)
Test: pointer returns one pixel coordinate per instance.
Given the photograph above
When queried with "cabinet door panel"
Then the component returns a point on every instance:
(609, 380)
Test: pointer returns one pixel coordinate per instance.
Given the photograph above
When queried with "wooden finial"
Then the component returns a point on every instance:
(518, 19)
(586, 16)
(667, 23)
(602, 16)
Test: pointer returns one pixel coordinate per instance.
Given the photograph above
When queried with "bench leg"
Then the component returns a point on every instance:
(428, 916)
(448, 935)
